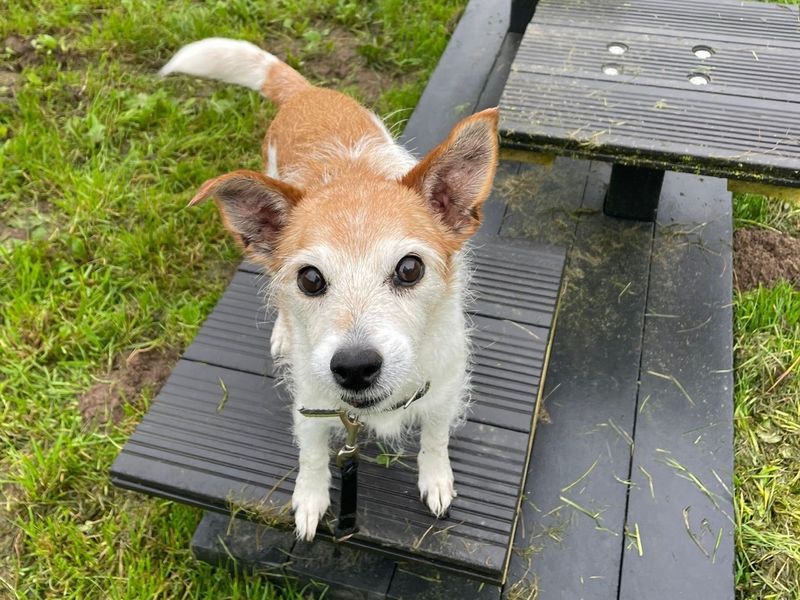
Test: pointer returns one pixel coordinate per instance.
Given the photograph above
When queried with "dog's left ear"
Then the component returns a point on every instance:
(456, 176)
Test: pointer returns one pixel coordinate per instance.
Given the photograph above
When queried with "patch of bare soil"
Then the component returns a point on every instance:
(25, 223)
(12, 233)
(764, 257)
(22, 53)
(338, 64)
(103, 403)
(10, 534)
(9, 83)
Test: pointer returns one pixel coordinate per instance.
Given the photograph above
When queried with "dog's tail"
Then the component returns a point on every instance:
(238, 62)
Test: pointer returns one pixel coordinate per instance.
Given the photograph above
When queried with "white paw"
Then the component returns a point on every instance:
(280, 341)
(309, 504)
(436, 485)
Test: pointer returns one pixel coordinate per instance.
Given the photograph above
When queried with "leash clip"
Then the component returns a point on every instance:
(352, 426)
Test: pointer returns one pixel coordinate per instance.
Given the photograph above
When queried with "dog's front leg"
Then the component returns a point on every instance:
(311, 497)
(435, 474)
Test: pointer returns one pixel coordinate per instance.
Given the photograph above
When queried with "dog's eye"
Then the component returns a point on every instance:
(311, 282)
(408, 271)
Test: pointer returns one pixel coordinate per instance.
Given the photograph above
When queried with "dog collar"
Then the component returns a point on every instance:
(417, 395)
(325, 412)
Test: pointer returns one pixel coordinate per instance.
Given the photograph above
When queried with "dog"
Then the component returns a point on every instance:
(365, 249)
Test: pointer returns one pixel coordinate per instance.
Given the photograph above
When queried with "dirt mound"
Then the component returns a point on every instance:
(764, 257)
(142, 369)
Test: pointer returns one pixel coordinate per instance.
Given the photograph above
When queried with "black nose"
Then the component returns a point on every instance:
(356, 368)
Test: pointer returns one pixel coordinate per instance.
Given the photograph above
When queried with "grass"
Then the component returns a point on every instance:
(767, 443)
(98, 160)
(99, 257)
(767, 421)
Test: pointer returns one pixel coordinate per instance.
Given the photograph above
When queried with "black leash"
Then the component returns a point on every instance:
(347, 461)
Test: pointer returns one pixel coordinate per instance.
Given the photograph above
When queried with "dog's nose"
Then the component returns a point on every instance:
(356, 368)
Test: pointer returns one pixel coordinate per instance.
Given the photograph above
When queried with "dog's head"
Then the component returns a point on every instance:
(362, 265)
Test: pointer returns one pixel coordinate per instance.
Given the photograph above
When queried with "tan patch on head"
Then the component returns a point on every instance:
(357, 211)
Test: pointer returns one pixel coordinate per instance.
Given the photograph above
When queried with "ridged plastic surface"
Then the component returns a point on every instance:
(744, 124)
(219, 433)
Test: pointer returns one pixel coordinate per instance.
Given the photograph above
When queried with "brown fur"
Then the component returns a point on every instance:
(437, 202)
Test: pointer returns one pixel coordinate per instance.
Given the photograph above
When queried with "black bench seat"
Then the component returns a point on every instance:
(219, 435)
(701, 86)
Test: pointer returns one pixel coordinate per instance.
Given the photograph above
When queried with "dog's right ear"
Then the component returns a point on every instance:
(254, 207)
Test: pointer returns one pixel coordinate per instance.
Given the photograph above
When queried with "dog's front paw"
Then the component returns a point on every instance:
(309, 504)
(436, 485)
(280, 340)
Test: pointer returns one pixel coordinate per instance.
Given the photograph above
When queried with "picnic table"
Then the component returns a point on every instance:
(699, 86)
(624, 123)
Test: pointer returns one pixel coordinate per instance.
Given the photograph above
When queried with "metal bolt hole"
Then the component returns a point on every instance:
(703, 52)
(617, 48)
(699, 79)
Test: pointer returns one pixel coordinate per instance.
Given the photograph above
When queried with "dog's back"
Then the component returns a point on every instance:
(316, 132)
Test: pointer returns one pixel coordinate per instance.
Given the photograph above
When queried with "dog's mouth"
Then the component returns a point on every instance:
(364, 401)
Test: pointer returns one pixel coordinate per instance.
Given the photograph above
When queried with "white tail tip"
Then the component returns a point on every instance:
(232, 61)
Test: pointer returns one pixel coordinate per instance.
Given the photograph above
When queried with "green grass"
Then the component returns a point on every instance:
(98, 159)
(767, 442)
(758, 211)
(767, 420)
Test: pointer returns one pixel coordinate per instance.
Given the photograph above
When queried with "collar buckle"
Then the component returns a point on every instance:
(417, 395)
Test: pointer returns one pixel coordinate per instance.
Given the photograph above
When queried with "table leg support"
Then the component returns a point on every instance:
(633, 193)
(521, 15)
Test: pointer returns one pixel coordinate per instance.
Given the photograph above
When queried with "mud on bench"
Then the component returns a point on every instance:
(701, 86)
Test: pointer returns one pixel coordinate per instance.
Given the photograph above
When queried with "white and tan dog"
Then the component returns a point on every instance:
(364, 246)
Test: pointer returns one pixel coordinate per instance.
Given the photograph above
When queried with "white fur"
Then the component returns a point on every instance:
(233, 61)
(281, 338)
(272, 161)
(382, 126)
(382, 155)
(407, 329)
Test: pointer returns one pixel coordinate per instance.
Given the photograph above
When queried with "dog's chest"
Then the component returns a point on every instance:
(392, 424)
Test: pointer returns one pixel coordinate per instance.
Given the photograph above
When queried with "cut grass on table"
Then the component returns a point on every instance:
(99, 258)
